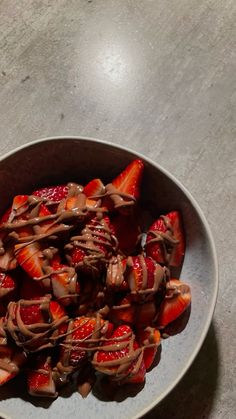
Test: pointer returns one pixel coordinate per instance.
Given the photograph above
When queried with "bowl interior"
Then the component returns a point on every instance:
(61, 160)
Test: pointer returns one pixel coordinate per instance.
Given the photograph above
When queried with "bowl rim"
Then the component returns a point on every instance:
(203, 219)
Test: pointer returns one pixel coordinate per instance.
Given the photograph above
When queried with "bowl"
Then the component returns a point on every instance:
(62, 159)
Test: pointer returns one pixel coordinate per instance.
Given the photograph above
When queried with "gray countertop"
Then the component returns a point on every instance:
(160, 77)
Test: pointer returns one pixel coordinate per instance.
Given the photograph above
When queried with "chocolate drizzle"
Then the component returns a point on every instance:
(166, 239)
(124, 366)
(96, 241)
(37, 336)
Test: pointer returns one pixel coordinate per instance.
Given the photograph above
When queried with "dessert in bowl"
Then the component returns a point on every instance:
(104, 296)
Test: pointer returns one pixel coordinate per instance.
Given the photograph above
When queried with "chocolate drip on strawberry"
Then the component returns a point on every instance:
(92, 248)
(34, 324)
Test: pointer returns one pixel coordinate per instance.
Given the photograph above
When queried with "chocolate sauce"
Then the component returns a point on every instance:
(166, 239)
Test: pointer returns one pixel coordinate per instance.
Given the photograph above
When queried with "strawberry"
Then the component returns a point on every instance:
(11, 360)
(123, 311)
(34, 324)
(85, 335)
(90, 250)
(125, 188)
(144, 276)
(177, 300)
(65, 286)
(120, 357)
(7, 284)
(52, 193)
(129, 181)
(30, 258)
(19, 207)
(137, 377)
(165, 240)
(93, 189)
(127, 231)
(128, 311)
(39, 380)
(150, 339)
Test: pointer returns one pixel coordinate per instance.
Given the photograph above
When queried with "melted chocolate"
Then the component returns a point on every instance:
(37, 336)
(166, 239)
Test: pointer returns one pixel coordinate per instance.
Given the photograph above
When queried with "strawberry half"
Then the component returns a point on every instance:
(30, 258)
(7, 284)
(40, 380)
(129, 181)
(90, 250)
(144, 276)
(52, 193)
(83, 334)
(125, 188)
(120, 357)
(165, 240)
(11, 361)
(150, 339)
(94, 188)
(177, 300)
(34, 324)
(123, 311)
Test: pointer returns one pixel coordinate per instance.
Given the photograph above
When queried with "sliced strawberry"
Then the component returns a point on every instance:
(144, 276)
(127, 232)
(19, 207)
(90, 250)
(165, 240)
(56, 311)
(93, 189)
(125, 188)
(85, 335)
(150, 339)
(139, 376)
(31, 314)
(52, 193)
(34, 324)
(11, 360)
(120, 357)
(65, 286)
(129, 181)
(123, 311)
(177, 300)
(39, 380)
(7, 284)
(30, 258)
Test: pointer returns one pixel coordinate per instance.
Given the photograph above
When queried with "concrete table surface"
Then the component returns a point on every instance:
(158, 76)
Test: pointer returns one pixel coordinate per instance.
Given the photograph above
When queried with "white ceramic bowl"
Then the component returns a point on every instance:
(58, 160)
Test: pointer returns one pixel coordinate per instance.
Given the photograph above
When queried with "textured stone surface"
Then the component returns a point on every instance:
(158, 76)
